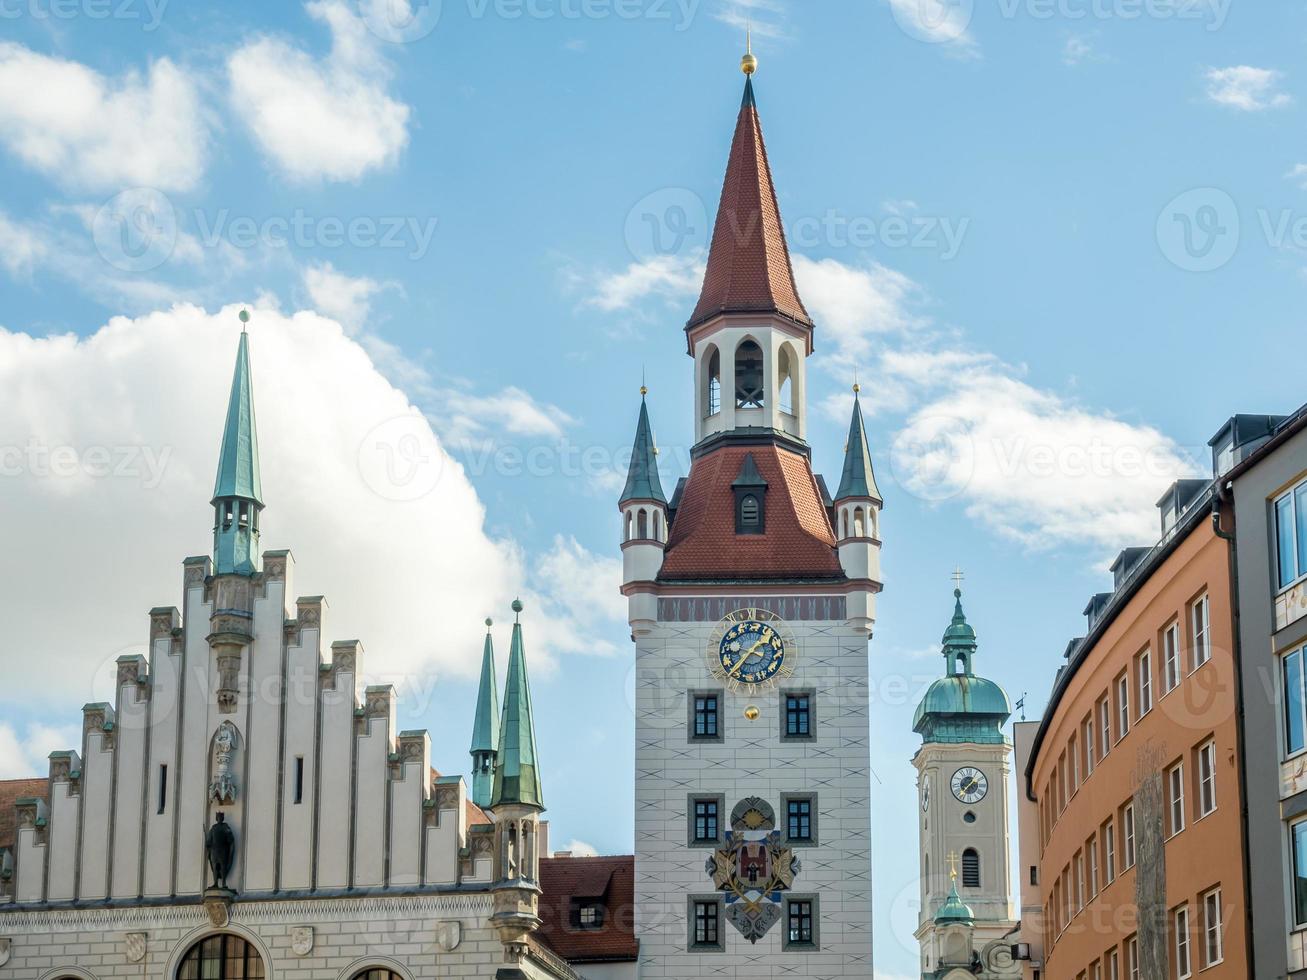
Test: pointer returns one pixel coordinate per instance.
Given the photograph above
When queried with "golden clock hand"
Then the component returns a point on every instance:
(743, 657)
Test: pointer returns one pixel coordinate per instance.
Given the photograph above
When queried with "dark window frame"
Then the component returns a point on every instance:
(811, 695)
(813, 917)
(811, 800)
(718, 800)
(971, 876)
(692, 719)
(713, 940)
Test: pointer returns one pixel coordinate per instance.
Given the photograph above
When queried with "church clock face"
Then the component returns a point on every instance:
(751, 649)
(969, 785)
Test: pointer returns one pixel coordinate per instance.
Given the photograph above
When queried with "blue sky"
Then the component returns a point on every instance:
(1055, 238)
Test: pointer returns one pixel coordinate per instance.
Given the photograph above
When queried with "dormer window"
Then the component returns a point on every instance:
(750, 499)
(587, 913)
(750, 514)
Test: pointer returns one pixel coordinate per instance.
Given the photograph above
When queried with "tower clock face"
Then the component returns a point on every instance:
(751, 648)
(969, 785)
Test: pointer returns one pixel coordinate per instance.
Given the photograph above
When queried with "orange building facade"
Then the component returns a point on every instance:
(1130, 826)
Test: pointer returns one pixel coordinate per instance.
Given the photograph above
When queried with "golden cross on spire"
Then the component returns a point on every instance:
(953, 865)
(957, 577)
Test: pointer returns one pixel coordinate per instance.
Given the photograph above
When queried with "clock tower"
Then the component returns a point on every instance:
(751, 599)
(964, 770)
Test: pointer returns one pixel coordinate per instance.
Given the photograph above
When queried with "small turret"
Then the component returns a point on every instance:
(515, 806)
(857, 517)
(237, 491)
(644, 523)
(485, 728)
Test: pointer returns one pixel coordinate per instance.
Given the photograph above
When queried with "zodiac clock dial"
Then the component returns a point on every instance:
(969, 785)
(751, 648)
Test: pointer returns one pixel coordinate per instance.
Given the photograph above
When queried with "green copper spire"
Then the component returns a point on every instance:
(517, 777)
(238, 491)
(642, 481)
(961, 706)
(858, 478)
(485, 729)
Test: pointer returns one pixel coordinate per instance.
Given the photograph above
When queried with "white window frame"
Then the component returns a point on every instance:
(1123, 706)
(1293, 873)
(1171, 672)
(1104, 709)
(1109, 851)
(1287, 701)
(1096, 971)
(1113, 965)
(1089, 747)
(1144, 665)
(1132, 956)
(1200, 621)
(1175, 797)
(1184, 964)
(1206, 779)
(1128, 835)
(1080, 882)
(1291, 496)
(1093, 866)
(1073, 757)
(1213, 938)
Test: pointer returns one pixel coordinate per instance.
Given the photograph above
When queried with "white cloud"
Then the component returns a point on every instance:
(579, 848)
(1078, 49)
(766, 18)
(113, 437)
(1298, 174)
(669, 277)
(346, 299)
(329, 118)
(590, 595)
(943, 22)
(1245, 88)
(26, 756)
(85, 130)
(21, 246)
(1029, 463)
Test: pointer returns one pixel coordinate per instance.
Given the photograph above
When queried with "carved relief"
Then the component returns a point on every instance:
(449, 935)
(446, 798)
(194, 574)
(131, 671)
(301, 940)
(222, 787)
(134, 945)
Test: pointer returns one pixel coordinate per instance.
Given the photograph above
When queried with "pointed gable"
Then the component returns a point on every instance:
(749, 268)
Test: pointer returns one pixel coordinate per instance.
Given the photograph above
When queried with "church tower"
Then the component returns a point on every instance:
(964, 772)
(751, 617)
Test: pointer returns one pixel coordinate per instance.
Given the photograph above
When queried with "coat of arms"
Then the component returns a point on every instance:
(753, 869)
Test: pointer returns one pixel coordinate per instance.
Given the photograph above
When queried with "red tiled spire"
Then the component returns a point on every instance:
(749, 267)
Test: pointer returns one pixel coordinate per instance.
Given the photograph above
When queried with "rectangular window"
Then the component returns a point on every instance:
(1295, 701)
(799, 923)
(1213, 940)
(1299, 835)
(1180, 924)
(798, 819)
(1144, 671)
(705, 821)
(1105, 727)
(1175, 797)
(705, 926)
(1132, 956)
(1200, 613)
(299, 779)
(1109, 852)
(1122, 706)
(1096, 970)
(163, 788)
(1171, 656)
(1128, 836)
(1206, 779)
(1073, 754)
(1113, 966)
(1092, 849)
(706, 716)
(587, 914)
(798, 714)
(1089, 746)
(1080, 882)
(1291, 535)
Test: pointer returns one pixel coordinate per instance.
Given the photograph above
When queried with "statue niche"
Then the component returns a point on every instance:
(222, 782)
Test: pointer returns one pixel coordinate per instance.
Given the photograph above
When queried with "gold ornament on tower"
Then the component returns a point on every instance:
(748, 64)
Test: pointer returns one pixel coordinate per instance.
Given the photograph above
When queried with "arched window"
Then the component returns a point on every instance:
(844, 519)
(785, 380)
(970, 868)
(642, 525)
(221, 957)
(859, 524)
(713, 401)
(658, 526)
(378, 973)
(630, 525)
(749, 384)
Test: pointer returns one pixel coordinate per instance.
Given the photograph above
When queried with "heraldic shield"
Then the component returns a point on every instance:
(753, 869)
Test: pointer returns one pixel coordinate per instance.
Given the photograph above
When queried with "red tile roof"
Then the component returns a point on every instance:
(607, 879)
(799, 541)
(12, 790)
(749, 262)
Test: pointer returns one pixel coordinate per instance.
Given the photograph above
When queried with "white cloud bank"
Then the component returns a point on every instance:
(1246, 88)
(326, 118)
(112, 439)
(82, 129)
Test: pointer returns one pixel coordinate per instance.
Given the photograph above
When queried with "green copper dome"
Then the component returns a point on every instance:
(954, 909)
(960, 706)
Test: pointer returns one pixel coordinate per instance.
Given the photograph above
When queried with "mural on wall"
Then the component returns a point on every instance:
(753, 868)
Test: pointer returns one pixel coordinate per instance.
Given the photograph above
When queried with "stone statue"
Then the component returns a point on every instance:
(222, 789)
(220, 848)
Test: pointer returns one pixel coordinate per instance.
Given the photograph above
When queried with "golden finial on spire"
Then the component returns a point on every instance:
(856, 387)
(953, 865)
(748, 64)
